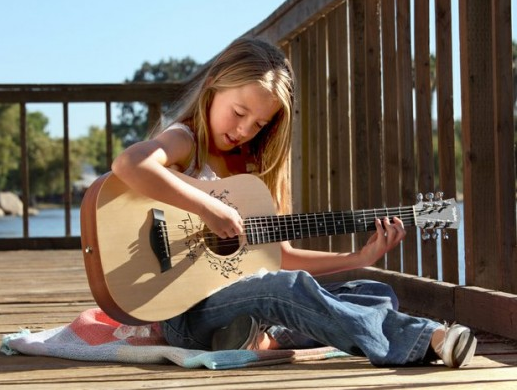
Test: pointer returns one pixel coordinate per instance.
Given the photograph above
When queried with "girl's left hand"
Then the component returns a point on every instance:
(387, 237)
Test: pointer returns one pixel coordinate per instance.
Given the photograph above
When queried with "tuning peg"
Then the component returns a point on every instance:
(429, 196)
(434, 235)
(419, 197)
(439, 196)
(425, 235)
(445, 234)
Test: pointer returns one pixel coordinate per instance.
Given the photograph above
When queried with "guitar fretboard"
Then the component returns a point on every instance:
(276, 228)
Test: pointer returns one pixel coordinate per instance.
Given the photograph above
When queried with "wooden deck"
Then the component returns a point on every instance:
(46, 289)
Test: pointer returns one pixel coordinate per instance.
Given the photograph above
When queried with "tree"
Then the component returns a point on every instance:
(9, 148)
(133, 118)
(92, 149)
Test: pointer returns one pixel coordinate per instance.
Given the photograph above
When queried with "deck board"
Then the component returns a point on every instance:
(46, 289)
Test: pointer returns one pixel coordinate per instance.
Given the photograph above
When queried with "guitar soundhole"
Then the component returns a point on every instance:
(220, 246)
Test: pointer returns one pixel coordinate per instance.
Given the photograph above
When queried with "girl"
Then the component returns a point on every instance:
(238, 120)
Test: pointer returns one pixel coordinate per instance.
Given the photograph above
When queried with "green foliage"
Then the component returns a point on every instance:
(92, 149)
(46, 154)
(133, 124)
(9, 147)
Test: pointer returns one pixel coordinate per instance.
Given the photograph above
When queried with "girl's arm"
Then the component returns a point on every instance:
(386, 237)
(145, 167)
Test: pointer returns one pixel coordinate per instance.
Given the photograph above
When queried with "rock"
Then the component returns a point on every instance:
(10, 203)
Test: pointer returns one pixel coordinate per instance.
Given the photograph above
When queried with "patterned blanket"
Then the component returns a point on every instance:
(94, 336)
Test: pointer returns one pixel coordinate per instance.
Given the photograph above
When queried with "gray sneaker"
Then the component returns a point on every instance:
(458, 346)
(241, 333)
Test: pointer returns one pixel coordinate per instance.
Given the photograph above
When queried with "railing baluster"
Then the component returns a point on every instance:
(109, 138)
(24, 168)
(66, 158)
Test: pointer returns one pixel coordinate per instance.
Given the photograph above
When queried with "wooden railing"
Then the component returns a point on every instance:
(151, 94)
(363, 132)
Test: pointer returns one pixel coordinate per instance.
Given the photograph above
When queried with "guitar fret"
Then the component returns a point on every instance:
(277, 228)
(285, 237)
(334, 222)
(268, 229)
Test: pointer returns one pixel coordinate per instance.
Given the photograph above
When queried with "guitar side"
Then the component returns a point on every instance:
(123, 271)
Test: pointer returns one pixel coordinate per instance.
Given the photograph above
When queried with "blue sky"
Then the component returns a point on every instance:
(106, 41)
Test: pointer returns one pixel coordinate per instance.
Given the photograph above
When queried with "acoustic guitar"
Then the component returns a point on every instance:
(148, 261)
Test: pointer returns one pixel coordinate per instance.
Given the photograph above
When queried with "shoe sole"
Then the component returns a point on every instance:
(464, 349)
(238, 335)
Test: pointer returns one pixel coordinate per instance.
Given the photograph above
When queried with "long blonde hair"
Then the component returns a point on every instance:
(245, 61)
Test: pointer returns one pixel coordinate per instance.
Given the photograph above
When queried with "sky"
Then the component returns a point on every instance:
(106, 41)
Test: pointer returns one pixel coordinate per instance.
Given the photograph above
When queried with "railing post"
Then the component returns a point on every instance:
(66, 160)
(24, 167)
(477, 92)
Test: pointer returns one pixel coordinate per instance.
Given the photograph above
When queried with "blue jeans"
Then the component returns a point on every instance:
(359, 317)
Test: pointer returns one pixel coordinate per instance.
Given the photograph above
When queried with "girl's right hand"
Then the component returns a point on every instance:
(221, 219)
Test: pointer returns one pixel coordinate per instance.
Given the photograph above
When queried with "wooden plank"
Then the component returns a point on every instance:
(486, 310)
(24, 167)
(373, 103)
(477, 92)
(505, 152)
(406, 138)
(314, 134)
(494, 366)
(40, 243)
(322, 145)
(292, 17)
(392, 171)
(491, 311)
(54, 374)
(360, 161)
(59, 93)
(296, 157)
(424, 130)
(339, 128)
(445, 121)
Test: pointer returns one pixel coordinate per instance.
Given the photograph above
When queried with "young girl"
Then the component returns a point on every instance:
(238, 120)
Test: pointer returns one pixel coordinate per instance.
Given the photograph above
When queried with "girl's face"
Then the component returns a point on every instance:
(238, 114)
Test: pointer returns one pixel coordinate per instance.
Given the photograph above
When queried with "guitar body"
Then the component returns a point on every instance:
(124, 271)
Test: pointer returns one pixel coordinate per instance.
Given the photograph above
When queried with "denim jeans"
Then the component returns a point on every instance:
(359, 317)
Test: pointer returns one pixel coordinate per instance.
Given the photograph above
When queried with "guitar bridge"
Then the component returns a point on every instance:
(159, 240)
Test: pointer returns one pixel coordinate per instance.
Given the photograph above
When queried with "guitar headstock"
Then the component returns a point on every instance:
(433, 214)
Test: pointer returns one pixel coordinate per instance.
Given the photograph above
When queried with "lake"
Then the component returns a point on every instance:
(51, 223)
(48, 223)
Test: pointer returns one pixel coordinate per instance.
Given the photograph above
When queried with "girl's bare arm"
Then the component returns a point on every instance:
(145, 167)
(386, 237)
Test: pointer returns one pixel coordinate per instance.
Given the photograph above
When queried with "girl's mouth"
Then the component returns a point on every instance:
(230, 140)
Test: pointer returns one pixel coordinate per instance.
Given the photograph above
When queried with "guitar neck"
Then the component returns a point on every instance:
(276, 228)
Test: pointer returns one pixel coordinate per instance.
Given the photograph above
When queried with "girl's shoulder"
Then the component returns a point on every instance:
(181, 127)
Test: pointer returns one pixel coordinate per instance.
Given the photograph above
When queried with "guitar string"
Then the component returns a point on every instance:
(311, 221)
(260, 225)
(295, 222)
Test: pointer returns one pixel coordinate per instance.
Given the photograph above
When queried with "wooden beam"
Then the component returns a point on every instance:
(292, 17)
(59, 93)
(476, 307)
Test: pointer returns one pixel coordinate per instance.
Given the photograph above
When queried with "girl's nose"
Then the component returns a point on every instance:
(245, 129)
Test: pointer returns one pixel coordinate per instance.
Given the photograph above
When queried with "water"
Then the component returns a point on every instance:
(51, 223)
(48, 223)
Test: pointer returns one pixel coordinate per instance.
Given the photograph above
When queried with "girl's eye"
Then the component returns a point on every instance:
(238, 114)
